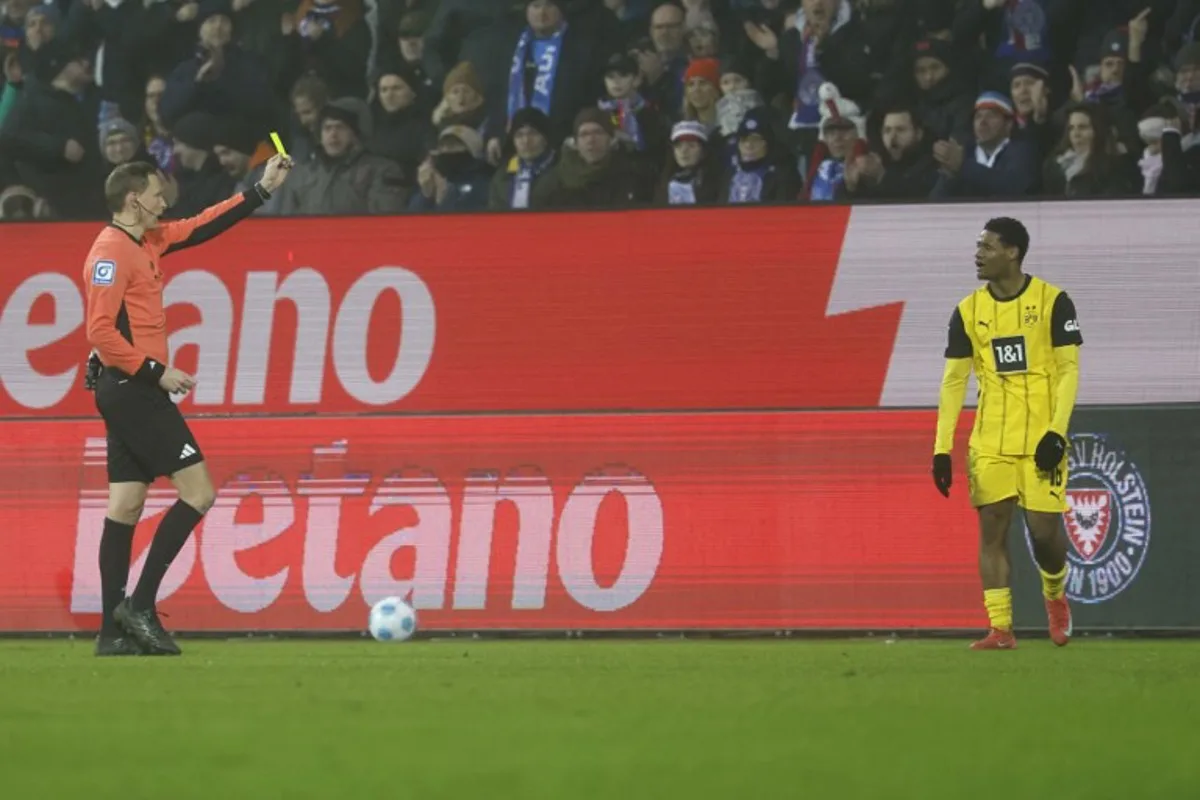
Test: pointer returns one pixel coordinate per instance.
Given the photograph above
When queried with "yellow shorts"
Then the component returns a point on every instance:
(994, 478)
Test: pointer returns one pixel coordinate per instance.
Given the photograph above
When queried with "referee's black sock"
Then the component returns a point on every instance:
(116, 545)
(173, 531)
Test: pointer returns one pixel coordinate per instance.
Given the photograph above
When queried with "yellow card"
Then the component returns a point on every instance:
(275, 140)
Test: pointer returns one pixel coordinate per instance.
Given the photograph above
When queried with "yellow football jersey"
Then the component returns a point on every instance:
(1011, 344)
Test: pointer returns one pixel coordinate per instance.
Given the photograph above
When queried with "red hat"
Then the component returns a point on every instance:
(707, 68)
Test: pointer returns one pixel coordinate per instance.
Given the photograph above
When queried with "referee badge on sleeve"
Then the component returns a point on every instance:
(104, 272)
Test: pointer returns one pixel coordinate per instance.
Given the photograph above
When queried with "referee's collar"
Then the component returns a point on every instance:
(1021, 291)
(132, 238)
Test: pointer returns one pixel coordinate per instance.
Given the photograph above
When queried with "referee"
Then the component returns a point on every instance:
(147, 436)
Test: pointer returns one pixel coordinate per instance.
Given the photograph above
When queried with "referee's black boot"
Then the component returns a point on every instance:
(145, 628)
(117, 644)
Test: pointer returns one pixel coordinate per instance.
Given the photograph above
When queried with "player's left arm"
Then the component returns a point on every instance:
(1066, 339)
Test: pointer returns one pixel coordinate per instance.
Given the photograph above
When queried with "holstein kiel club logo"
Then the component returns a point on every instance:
(1107, 519)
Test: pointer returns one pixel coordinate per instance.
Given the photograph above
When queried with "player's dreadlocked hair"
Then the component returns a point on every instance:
(1012, 234)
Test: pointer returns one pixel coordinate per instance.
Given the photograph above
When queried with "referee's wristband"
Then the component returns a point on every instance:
(150, 371)
(261, 191)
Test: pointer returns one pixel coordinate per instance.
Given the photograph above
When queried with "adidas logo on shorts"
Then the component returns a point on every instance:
(188, 450)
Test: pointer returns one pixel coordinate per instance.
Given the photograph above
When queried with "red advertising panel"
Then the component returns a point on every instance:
(781, 308)
(477, 313)
(532, 522)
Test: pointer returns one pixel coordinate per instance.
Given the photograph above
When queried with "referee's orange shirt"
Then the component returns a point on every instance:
(126, 324)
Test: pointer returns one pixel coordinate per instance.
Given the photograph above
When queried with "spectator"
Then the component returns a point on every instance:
(701, 90)
(736, 75)
(116, 34)
(760, 173)
(1013, 32)
(463, 102)
(1087, 163)
(591, 173)
(656, 85)
(1030, 90)
(944, 95)
(455, 176)
(308, 96)
(1183, 27)
(703, 39)
(409, 51)
(843, 132)
(903, 169)
(20, 203)
(120, 144)
(329, 39)
(1187, 83)
(991, 164)
(630, 17)
(641, 129)
(259, 29)
(221, 80)
(731, 109)
(202, 181)
(512, 187)
(826, 44)
(692, 175)
(344, 178)
(553, 68)
(470, 31)
(243, 155)
(667, 43)
(1180, 155)
(401, 125)
(155, 137)
(155, 35)
(51, 134)
(41, 26)
(12, 24)
(1122, 86)
(14, 83)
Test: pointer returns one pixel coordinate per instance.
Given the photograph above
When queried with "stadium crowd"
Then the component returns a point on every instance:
(405, 106)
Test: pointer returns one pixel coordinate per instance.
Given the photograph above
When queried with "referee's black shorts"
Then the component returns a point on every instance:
(147, 435)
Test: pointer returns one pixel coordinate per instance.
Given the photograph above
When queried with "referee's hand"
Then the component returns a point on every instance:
(176, 381)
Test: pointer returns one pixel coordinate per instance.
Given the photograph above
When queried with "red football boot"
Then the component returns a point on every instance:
(996, 639)
(1059, 614)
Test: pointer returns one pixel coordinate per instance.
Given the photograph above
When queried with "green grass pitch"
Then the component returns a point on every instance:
(602, 719)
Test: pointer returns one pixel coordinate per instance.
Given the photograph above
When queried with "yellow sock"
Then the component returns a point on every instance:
(999, 607)
(1054, 586)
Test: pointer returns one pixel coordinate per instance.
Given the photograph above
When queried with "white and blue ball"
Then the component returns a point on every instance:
(392, 620)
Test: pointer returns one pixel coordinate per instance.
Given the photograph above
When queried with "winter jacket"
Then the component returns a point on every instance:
(357, 183)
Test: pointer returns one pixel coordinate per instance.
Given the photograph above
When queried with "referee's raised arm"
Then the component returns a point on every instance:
(170, 237)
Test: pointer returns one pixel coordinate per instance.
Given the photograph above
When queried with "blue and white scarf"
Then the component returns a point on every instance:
(747, 183)
(542, 55)
(625, 119)
(828, 177)
(525, 172)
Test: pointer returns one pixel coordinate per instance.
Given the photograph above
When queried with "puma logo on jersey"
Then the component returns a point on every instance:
(981, 322)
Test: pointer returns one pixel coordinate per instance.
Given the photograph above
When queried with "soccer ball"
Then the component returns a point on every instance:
(392, 620)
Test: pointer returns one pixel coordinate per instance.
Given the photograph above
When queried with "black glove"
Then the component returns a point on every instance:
(1050, 451)
(92, 373)
(942, 473)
